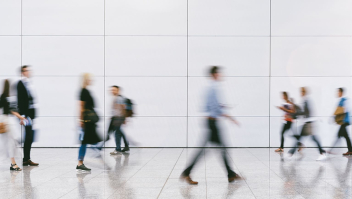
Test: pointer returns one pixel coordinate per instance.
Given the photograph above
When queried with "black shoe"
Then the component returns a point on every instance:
(126, 149)
(83, 167)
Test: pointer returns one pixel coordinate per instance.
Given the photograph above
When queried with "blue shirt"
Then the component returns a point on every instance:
(343, 103)
(213, 106)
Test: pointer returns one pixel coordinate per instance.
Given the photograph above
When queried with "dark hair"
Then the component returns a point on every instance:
(23, 67)
(6, 91)
(114, 86)
(341, 90)
(285, 94)
(214, 70)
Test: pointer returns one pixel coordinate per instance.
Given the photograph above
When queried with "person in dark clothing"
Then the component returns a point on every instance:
(86, 104)
(214, 110)
(288, 108)
(26, 103)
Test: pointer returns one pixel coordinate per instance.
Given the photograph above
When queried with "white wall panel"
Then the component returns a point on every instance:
(58, 96)
(63, 17)
(10, 55)
(10, 15)
(242, 56)
(146, 56)
(252, 132)
(323, 92)
(311, 56)
(153, 96)
(229, 17)
(154, 132)
(245, 96)
(139, 17)
(64, 55)
(311, 17)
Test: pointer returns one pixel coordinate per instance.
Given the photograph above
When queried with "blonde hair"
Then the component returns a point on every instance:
(85, 79)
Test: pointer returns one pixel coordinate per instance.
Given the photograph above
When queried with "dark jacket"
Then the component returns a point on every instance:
(24, 99)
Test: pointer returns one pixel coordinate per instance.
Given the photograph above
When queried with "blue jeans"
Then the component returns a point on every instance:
(82, 152)
(118, 135)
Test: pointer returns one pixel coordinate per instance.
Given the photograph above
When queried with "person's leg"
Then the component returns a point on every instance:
(344, 133)
(298, 142)
(81, 153)
(188, 170)
(27, 143)
(321, 150)
(118, 138)
(285, 127)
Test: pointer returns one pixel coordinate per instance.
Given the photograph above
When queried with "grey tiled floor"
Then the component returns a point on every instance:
(154, 173)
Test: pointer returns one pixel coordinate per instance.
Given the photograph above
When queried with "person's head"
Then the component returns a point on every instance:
(215, 72)
(115, 90)
(6, 91)
(25, 71)
(303, 91)
(285, 96)
(340, 92)
(86, 80)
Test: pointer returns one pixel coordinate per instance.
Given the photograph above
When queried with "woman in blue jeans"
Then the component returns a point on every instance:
(89, 128)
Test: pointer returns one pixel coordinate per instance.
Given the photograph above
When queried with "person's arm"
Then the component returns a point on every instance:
(18, 116)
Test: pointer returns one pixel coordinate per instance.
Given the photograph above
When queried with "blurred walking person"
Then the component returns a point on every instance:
(26, 102)
(8, 142)
(305, 110)
(342, 117)
(214, 110)
(118, 118)
(289, 109)
(88, 120)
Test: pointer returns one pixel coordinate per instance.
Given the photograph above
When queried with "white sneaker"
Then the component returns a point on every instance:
(322, 157)
(116, 153)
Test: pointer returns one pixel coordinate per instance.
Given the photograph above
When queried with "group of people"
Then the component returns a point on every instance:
(304, 112)
(24, 108)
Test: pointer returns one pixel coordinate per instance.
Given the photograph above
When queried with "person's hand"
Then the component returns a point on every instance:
(81, 124)
(280, 107)
(22, 120)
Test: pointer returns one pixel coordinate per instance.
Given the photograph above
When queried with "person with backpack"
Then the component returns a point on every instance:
(342, 118)
(307, 129)
(119, 114)
(289, 109)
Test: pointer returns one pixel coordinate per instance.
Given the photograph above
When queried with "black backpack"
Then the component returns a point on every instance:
(129, 108)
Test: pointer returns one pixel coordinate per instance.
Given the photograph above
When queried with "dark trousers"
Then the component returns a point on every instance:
(28, 140)
(343, 133)
(285, 127)
(303, 133)
(215, 138)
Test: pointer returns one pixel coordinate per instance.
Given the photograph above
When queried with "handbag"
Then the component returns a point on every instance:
(90, 116)
(3, 124)
(339, 115)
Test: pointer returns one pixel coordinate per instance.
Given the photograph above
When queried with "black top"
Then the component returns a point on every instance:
(87, 98)
(4, 104)
(24, 99)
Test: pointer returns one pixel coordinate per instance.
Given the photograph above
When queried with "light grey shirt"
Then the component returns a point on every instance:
(117, 110)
